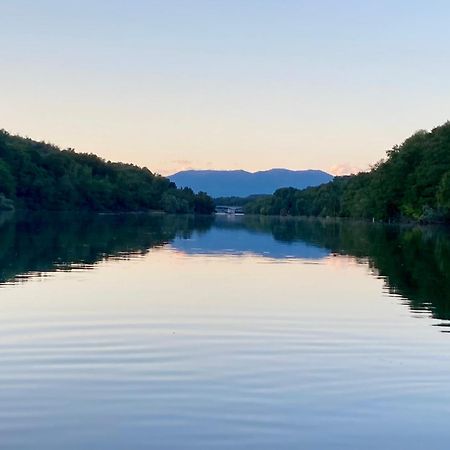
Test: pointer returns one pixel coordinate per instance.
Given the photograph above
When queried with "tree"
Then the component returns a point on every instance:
(36, 175)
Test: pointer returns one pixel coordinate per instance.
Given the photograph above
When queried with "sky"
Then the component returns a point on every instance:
(229, 84)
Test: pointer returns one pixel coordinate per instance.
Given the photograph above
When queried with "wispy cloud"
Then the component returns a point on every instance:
(177, 165)
(344, 169)
(182, 162)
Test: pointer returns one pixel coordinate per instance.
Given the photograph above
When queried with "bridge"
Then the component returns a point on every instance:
(229, 210)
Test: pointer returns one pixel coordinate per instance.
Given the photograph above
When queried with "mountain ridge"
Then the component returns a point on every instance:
(242, 183)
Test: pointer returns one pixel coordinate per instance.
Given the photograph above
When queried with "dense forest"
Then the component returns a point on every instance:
(239, 201)
(412, 183)
(40, 176)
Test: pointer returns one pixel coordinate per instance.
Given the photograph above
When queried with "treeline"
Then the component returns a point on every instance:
(412, 183)
(239, 201)
(39, 176)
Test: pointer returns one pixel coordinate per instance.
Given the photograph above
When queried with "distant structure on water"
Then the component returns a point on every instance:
(232, 210)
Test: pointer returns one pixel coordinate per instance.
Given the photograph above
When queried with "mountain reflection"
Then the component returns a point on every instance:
(414, 261)
(236, 235)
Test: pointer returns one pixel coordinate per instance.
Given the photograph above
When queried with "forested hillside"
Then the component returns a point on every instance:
(412, 183)
(39, 176)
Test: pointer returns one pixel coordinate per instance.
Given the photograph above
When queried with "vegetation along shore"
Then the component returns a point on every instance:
(40, 176)
(411, 184)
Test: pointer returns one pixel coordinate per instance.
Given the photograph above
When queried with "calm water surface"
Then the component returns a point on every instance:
(159, 332)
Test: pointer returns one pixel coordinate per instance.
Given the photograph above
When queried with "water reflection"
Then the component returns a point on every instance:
(34, 244)
(241, 236)
(414, 261)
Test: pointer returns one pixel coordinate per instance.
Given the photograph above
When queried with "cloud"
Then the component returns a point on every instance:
(177, 165)
(182, 162)
(344, 169)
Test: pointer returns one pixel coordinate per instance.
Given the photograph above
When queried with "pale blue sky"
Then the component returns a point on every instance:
(225, 84)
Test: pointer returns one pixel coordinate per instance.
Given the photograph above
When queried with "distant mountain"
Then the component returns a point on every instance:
(239, 183)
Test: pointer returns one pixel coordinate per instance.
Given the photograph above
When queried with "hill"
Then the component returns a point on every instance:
(239, 183)
(40, 176)
(412, 183)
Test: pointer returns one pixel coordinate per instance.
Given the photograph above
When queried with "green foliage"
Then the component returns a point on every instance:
(7, 182)
(203, 203)
(443, 194)
(40, 176)
(6, 204)
(238, 201)
(413, 183)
